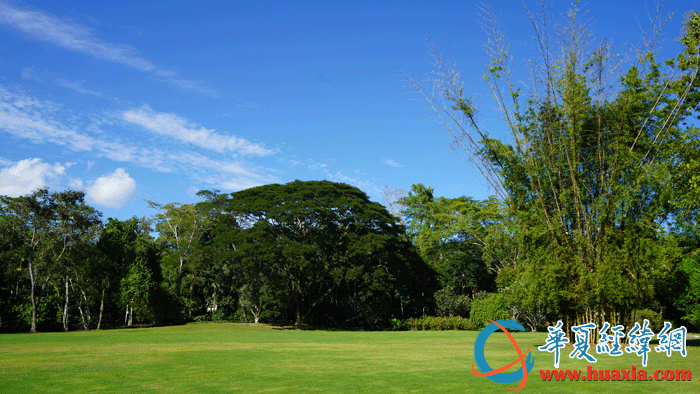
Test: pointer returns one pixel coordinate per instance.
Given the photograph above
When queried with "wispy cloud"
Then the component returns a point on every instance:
(71, 36)
(338, 176)
(392, 163)
(358, 180)
(225, 174)
(80, 39)
(43, 122)
(40, 131)
(173, 126)
(78, 86)
(30, 73)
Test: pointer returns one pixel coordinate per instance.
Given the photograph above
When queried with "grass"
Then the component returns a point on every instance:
(247, 358)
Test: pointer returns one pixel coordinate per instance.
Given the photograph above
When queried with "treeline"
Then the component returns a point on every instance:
(302, 253)
(485, 261)
(315, 253)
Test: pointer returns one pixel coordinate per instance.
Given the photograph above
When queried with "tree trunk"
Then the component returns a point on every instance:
(83, 315)
(299, 319)
(245, 314)
(179, 278)
(102, 308)
(87, 321)
(65, 309)
(82, 318)
(255, 310)
(33, 296)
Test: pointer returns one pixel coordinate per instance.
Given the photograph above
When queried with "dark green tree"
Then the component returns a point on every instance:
(12, 279)
(324, 252)
(130, 277)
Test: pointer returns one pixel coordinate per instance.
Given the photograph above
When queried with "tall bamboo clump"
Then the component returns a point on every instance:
(588, 165)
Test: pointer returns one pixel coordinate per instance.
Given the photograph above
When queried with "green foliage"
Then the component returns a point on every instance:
(493, 307)
(47, 226)
(454, 236)
(449, 304)
(319, 253)
(136, 291)
(592, 171)
(656, 322)
(689, 300)
(439, 323)
(399, 325)
(129, 272)
(182, 230)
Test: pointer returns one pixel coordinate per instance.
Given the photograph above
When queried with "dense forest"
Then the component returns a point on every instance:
(302, 253)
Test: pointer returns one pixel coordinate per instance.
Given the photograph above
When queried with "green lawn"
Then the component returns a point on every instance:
(221, 357)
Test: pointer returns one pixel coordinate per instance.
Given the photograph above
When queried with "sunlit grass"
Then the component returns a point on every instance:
(220, 357)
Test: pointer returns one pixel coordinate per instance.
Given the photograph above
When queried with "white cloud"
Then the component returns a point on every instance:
(176, 127)
(392, 163)
(78, 86)
(225, 175)
(192, 190)
(20, 115)
(28, 175)
(113, 190)
(77, 38)
(362, 184)
(30, 73)
(239, 184)
(75, 183)
(71, 36)
(44, 122)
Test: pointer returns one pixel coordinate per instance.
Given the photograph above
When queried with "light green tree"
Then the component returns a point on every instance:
(50, 224)
(180, 228)
(586, 166)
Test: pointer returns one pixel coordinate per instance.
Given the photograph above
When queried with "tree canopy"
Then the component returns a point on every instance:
(329, 253)
(596, 163)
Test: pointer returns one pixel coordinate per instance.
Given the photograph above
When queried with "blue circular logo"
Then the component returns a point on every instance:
(497, 375)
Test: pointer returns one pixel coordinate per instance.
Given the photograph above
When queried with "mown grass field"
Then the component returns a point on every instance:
(246, 358)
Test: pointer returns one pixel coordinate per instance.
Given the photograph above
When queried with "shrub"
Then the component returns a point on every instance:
(656, 322)
(450, 304)
(493, 307)
(399, 325)
(439, 323)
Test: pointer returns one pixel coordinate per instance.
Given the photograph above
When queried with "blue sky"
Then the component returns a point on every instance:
(156, 100)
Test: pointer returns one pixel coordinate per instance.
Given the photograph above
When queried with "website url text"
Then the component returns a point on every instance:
(615, 375)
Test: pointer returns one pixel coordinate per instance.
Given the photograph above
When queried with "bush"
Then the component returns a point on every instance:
(656, 322)
(399, 325)
(439, 323)
(493, 307)
(450, 304)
